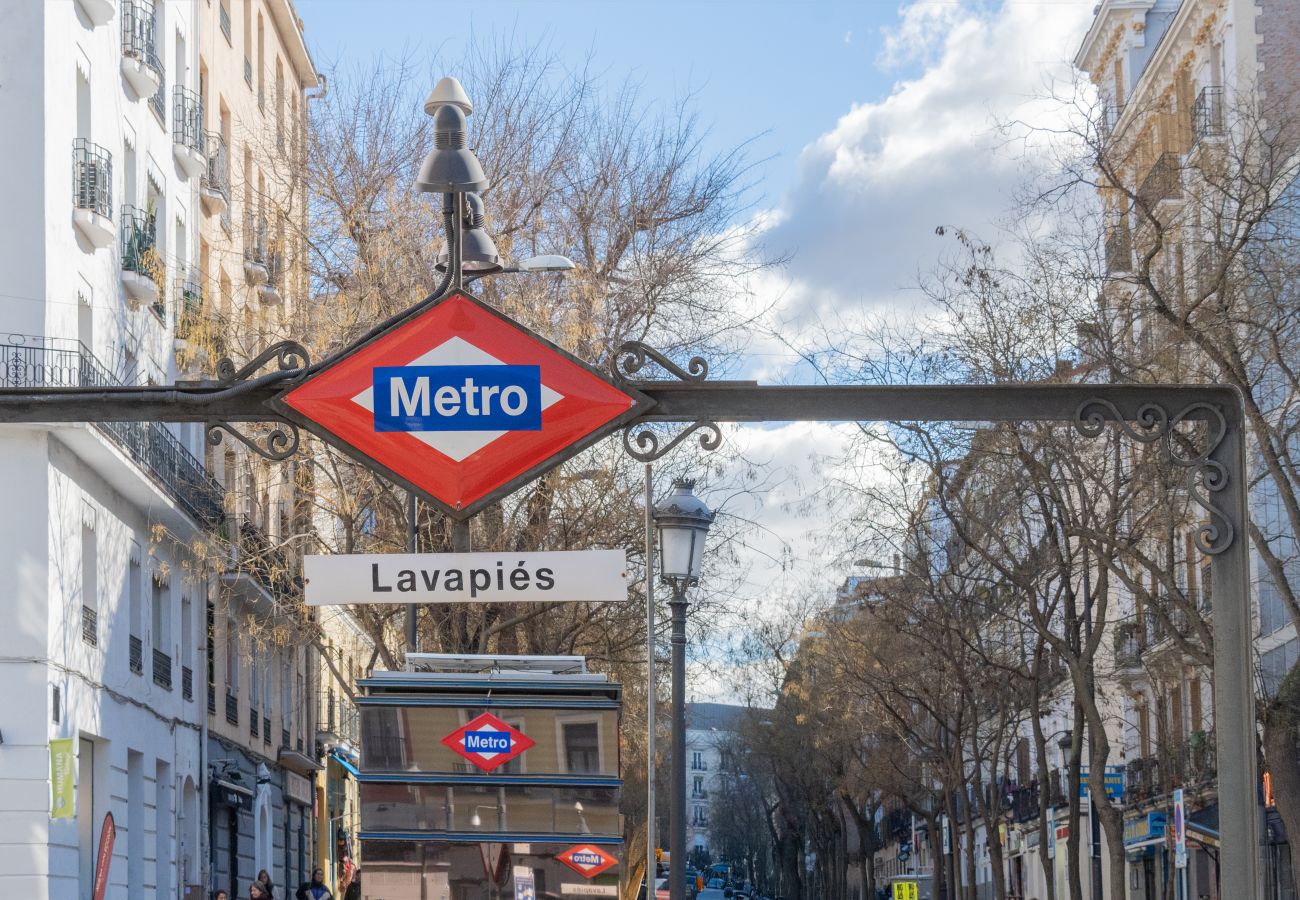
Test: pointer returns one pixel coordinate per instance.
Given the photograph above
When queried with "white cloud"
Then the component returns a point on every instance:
(870, 191)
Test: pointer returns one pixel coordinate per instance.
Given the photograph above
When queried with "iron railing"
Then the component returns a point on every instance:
(158, 102)
(138, 34)
(137, 655)
(33, 361)
(187, 119)
(1163, 181)
(255, 238)
(274, 269)
(266, 563)
(189, 305)
(232, 708)
(223, 16)
(217, 177)
(90, 626)
(139, 242)
(92, 178)
(162, 669)
(1207, 112)
(1142, 779)
(187, 683)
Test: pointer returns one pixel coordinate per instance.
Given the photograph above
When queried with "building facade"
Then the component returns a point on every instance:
(103, 597)
(709, 731)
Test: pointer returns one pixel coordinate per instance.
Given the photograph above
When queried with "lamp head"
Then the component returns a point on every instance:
(683, 520)
(479, 253)
(547, 262)
(450, 167)
(448, 92)
(475, 821)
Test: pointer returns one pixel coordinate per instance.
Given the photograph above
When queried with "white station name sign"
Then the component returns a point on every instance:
(574, 576)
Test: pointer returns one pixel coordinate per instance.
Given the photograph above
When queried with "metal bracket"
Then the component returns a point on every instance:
(630, 358)
(291, 357)
(277, 445)
(647, 447)
(1206, 476)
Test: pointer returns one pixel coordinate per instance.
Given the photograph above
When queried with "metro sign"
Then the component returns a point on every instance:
(488, 742)
(459, 403)
(587, 860)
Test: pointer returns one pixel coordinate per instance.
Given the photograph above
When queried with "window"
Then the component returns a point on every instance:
(1275, 664)
(697, 761)
(135, 603)
(581, 746)
(697, 786)
(89, 586)
(232, 655)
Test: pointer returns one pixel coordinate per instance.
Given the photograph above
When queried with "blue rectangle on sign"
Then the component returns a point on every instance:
(458, 398)
(487, 742)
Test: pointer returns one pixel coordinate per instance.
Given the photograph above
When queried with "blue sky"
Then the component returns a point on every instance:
(781, 71)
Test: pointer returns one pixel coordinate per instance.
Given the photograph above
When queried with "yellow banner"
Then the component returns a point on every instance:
(63, 766)
(905, 890)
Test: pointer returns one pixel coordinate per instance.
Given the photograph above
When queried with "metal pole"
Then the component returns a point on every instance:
(677, 804)
(412, 632)
(460, 537)
(1234, 689)
(651, 698)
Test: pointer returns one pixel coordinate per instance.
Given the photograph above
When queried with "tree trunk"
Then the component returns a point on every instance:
(1073, 842)
(1044, 802)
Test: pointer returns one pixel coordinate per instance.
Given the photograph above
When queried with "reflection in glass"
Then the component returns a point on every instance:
(490, 809)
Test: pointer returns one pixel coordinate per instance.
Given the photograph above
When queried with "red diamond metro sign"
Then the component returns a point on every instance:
(488, 742)
(587, 860)
(460, 403)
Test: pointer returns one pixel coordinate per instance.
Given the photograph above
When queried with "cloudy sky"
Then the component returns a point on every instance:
(875, 123)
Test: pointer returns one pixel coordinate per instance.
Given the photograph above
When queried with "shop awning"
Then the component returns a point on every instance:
(342, 761)
(1203, 825)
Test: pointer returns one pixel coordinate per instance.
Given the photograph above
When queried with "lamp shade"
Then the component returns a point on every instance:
(547, 262)
(450, 167)
(682, 520)
(448, 92)
(478, 253)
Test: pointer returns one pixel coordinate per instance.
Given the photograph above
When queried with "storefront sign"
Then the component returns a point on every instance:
(1148, 827)
(574, 576)
(525, 884)
(589, 890)
(104, 857)
(63, 794)
(906, 890)
(1112, 778)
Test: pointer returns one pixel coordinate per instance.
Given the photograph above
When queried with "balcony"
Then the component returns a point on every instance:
(141, 66)
(232, 708)
(270, 292)
(33, 361)
(158, 102)
(92, 192)
(700, 795)
(1207, 113)
(1119, 251)
(255, 270)
(1163, 182)
(267, 564)
(99, 12)
(1142, 781)
(189, 140)
(1128, 651)
(1024, 803)
(189, 309)
(162, 670)
(214, 186)
(137, 655)
(142, 267)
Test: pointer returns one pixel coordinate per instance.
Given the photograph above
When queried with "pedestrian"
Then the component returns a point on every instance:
(354, 889)
(256, 891)
(268, 886)
(315, 889)
(220, 894)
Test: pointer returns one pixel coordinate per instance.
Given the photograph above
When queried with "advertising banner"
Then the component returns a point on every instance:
(63, 793)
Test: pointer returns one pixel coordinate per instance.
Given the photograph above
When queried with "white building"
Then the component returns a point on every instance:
(709, 730)
(102, 608)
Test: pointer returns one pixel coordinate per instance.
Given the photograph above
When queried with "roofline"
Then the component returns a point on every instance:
(287, 22)
(1094, 32)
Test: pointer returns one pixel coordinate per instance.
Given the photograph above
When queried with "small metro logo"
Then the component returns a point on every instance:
(587, 860)
(488, 742)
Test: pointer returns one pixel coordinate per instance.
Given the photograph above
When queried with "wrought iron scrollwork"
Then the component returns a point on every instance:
(277, 444)
(290, 356)
(1206, 476)
(648, 446)
(632, 356)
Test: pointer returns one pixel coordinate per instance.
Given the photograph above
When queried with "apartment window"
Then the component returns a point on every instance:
(162, 637)
(223, 16)
(232, 655)
(697, 786)
(248, 43)
(135, 602)
(697, 761)
(261, 64)
(210, 643)
(279, 105)
(581, 746)
(89, 586)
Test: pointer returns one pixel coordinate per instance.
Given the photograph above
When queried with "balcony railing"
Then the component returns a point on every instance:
(1024, 802)
(33, 361)
(92, 178)
(1163, 181)
(137, 655)
(1119, 251)
(187, 683)
(1207, 112)
(187, 119)
(162, 669)
(138, 34)
(90, 626)
(232, 708)
(139, 243)
(266, 563)
(255, 238)
(217, 178)
(1142, 779)
(158, 102)
(189, 306)
(274, 268)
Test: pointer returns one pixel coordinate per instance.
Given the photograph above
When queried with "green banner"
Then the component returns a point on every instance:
(63, 765)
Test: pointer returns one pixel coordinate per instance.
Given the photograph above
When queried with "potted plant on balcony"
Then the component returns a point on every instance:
(142, 265)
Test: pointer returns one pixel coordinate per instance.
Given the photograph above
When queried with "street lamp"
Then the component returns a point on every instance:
(682, 520)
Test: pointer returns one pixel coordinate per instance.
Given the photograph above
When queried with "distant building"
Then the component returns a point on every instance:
(709, 727)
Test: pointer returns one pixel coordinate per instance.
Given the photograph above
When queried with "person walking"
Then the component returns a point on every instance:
(315, 889)
(354, 889)
(256, 891)
(268, 886)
